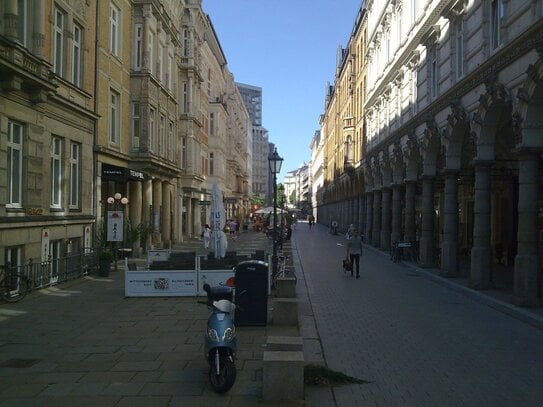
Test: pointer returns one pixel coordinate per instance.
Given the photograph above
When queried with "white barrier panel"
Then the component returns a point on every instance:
(157, 255)
(213, 278)
(167, 283)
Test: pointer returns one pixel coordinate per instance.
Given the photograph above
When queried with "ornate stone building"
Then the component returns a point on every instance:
(452, 148)
(341, 135)
(47, 127)
(128, 97)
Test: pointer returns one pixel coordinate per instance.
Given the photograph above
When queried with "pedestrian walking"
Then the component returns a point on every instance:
(354, 251)
(206, 234)
(311, 219)
(350, 231)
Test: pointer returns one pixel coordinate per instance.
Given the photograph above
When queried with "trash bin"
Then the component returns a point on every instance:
(251, 293)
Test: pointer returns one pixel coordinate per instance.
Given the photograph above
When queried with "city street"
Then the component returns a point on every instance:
(419, 343)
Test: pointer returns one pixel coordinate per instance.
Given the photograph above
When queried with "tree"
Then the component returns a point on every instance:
(257, 200)
(292, 198)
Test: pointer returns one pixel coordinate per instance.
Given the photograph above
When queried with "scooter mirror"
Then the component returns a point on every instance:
(207, 288)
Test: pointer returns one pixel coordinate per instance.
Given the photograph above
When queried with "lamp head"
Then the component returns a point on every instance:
(275, 162)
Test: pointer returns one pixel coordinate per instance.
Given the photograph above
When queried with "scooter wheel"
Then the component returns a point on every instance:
(223, 381)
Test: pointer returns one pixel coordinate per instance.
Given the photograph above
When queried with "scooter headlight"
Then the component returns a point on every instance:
(212, 335)
(229, 334)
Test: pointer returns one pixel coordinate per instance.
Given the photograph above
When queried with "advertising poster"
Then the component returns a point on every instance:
(160, 284)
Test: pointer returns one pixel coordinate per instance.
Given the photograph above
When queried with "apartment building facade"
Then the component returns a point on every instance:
(47, 128)
(252, 98)
(452, 147)
(110, 105)
(340, 149)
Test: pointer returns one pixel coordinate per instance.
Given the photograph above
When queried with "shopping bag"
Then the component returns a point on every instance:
(347, 265)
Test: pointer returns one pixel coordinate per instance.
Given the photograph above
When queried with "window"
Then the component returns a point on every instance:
(169, 69)
(22, 19)
(459, 42)
(184, 153)
(114, 116)
(160, 61)
(54, 258)
(15, 163)
(414, 91)
(152, 129)
(432, 59)
(496, 15)
(58, 42)
(161, 135)
(211, 124)
(138, 35)
(13, 256)
(114, 30)
(150, 44)
(186, 42)
(171, 142)
(76, 64)
(56, 172)
(136, 123)
(74, 175)
(211, 164)
(185, 92)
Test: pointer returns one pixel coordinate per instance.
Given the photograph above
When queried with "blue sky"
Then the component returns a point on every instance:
(288, 48)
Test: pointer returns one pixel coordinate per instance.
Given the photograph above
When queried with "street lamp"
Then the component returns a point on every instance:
(275, 162)
(115, 221)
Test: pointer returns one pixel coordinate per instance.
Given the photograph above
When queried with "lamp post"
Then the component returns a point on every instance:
(275, 162)
(115, 222)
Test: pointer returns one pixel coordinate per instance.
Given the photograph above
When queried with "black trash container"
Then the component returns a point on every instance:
(251, 293)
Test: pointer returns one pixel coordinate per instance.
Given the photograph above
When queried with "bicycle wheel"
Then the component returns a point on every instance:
(17, 294)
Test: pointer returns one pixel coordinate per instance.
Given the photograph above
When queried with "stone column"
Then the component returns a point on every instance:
(166, 213)
(356, 217)
(449, 247)
(10, 19)
(157, 212)
(426, 244)
(38, 32)
(396, 233)
(146, 210)
(369, 217)
(481, 253)
(527, 261)
(376, 229)
(410, 228)
(361, 214)
(135, 204)
(386, 219)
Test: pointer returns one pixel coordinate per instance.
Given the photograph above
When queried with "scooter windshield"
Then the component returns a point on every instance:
(223, 305)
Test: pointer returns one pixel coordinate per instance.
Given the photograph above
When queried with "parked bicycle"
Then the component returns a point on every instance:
(13, 286)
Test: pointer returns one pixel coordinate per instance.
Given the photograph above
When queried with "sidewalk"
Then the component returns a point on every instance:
(84, 343)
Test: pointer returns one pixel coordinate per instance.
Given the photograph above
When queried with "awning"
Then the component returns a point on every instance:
(112, 172)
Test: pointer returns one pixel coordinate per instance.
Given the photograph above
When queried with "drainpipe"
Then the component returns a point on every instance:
(95, 130)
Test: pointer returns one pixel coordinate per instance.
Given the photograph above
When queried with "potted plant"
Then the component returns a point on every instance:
(104, 261)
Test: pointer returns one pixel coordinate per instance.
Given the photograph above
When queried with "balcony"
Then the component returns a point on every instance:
(348, 122)
(20, 70)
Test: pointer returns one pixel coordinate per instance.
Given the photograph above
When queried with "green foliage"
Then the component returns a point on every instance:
(292, 198)
(318, 375)
(106, 256)
(257, 200)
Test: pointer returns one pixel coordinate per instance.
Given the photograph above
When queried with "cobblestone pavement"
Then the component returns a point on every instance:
(417, 342)
(83, 343)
